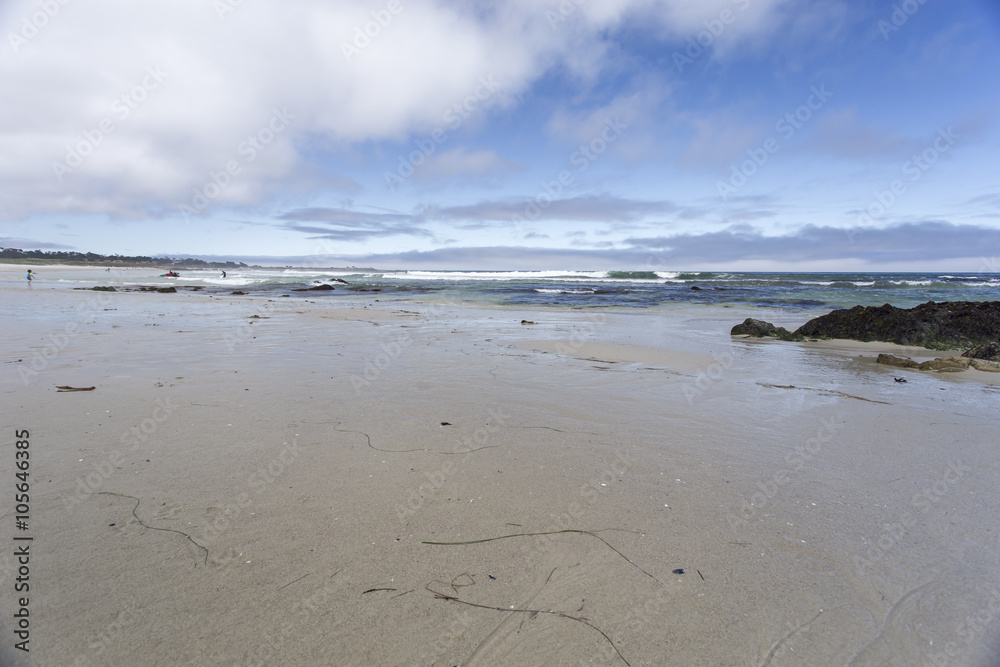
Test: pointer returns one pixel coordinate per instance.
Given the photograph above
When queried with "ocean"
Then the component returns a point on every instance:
(567, 288)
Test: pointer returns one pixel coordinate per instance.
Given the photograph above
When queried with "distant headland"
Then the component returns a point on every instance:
(18, 256)
(72, 258)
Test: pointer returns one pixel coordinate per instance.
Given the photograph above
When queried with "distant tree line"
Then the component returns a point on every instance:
(94, 258)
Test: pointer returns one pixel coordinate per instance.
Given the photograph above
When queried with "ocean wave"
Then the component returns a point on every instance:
(493, 275)
(642, 275)
(553, 276)
(552, 290)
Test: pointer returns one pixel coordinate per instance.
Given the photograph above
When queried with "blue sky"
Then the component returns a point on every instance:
(739, 134)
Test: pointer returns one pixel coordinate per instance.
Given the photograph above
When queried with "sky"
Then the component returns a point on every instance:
(796, 135)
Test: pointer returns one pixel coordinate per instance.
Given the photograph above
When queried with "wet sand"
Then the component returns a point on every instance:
(237, 493)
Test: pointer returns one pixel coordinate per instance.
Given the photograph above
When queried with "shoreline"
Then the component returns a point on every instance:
(786, 292)
(655, 349)
(312, 458)
(124, 265)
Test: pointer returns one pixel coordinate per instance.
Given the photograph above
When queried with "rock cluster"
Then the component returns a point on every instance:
(762, 329)
(989, 351)
(941, 364)
(949, 324)
(945, 325)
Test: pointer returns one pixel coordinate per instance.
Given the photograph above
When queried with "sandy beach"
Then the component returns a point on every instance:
(306, 481)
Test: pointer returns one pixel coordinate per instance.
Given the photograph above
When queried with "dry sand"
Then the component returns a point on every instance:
(262, 494)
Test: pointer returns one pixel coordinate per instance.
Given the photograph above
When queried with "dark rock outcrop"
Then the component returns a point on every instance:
(321, 288)
(933, 325)
(108, 288)
(166, 290)
(989, 351)
(762, 329)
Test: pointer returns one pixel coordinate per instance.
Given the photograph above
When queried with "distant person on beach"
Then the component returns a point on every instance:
(30, 276)
(223, 274)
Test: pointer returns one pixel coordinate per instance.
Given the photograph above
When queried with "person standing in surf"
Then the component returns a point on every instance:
(30, 277)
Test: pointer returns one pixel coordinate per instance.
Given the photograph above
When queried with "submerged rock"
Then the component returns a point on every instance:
(166, 290)
(321, 288)
(945, 364)
(893, 360)
(941, 364)
(985, 365)
(108, 288)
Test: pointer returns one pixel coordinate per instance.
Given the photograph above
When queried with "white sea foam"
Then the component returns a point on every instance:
(547, 290)
(556, 276)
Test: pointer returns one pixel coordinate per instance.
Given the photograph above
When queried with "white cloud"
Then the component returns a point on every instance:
(223, 77)
(465, 165)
